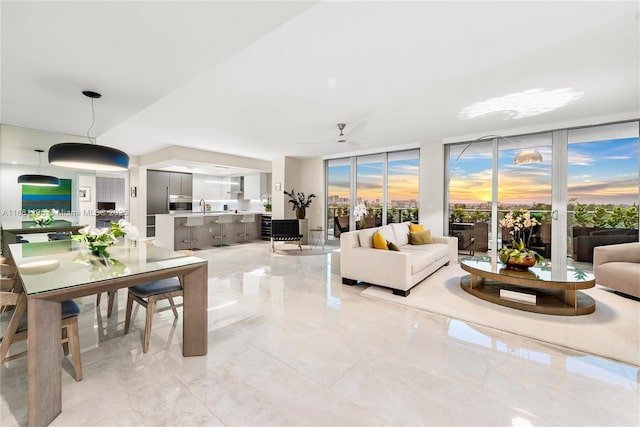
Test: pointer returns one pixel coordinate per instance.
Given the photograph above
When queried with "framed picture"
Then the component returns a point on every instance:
(84, 194)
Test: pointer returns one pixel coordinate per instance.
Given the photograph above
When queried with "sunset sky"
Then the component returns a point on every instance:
(402, 180)
(599, 172)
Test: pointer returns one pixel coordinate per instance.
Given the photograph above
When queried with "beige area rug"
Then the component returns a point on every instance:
(294, 250)
(612, 331)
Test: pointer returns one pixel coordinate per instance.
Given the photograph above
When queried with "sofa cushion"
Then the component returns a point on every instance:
(392, 246)
(401, 233)
(366, 235)
(423, 256)
(413, 228)
(420, 237)
(379, 242)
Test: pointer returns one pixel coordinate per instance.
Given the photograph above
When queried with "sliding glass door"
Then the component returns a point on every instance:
(583, 188)
(602, 187)
(526, 186)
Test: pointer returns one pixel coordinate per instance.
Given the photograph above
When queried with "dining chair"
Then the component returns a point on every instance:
(17, 331)
(148, 295)
(111, 296)
(8, 280)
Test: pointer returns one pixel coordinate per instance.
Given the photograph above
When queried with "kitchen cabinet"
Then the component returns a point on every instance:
(160, 184)
(255, 186)
(157, 192)
(180, 183)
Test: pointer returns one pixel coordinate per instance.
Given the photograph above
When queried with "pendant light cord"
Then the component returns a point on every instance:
(39, 163)
(93, 121)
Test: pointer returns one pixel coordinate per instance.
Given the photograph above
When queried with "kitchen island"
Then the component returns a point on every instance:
(198, 230)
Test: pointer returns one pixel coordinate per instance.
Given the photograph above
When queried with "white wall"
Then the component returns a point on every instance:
(86, 209)
(278, 199)
(432, 187)
(312, 181)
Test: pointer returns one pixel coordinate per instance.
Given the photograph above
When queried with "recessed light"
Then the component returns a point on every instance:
(531, 102)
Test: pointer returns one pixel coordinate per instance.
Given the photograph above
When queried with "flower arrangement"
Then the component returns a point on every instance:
(43, 216)
(267, 203)
(299, 200)
(99, 239)
(520, 224)
(360, 212)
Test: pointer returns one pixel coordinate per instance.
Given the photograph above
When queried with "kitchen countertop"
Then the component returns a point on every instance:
(212, 213)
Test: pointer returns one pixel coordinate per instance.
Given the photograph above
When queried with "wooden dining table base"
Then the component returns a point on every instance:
(45, 333)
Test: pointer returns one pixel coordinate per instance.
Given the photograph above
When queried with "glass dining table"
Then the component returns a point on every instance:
(52, 272)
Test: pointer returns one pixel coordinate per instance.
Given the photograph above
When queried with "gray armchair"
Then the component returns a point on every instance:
(618, 267)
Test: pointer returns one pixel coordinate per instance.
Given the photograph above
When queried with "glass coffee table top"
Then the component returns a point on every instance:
(541, 289)
(542, 271)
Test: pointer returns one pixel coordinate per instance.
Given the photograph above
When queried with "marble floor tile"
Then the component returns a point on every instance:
(289, 344)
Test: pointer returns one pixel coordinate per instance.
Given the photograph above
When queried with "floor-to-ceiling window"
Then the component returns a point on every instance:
(602, 188)
(590, 173)
(338, 196)
(526, 186)
(386, 187)
(403, 185)
(470, 194)
(369, 191)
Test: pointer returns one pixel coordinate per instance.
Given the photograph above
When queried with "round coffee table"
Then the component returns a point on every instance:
(540, 289)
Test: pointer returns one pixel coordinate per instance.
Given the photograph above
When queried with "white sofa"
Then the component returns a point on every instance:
(398, 270)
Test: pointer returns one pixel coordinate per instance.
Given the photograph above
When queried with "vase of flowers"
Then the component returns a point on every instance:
(267, 202)
(517, 255)
(99, 239)
(42, 216)
(360, 212)
(299, 202)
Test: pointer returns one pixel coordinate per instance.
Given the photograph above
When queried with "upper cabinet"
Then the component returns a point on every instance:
(255, 186)
(180, 183)
(161, 184)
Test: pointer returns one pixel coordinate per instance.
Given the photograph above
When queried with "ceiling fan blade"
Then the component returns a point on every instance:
(354, 143)
(315, 142)
(357, 128)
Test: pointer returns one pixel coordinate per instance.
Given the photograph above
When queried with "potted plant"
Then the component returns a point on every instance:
(267, 203)
(517, 255)
(299, 202)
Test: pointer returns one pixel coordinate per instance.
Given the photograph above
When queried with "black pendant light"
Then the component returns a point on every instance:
(37, 179)
(88, 156)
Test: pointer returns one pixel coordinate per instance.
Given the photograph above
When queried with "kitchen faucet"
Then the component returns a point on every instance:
(202, 205)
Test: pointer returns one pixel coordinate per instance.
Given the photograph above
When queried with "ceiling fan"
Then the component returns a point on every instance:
(342, 138)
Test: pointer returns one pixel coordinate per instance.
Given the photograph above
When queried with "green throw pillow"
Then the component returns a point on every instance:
(420, 238)
(392, 246)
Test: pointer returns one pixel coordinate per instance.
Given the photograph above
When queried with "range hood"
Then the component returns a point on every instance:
(239, 189)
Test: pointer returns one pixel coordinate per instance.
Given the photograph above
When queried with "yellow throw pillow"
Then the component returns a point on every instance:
(379, 242)
(415, 227)
(392, 246)
(420, 238)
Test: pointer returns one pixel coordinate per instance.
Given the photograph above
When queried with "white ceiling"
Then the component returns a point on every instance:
(257, 78)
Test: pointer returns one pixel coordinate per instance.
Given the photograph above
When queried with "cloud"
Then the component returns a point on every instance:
(618, 157)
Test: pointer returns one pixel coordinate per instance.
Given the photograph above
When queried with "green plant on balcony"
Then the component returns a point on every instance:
(601, 217)
(616, 217)
(581, 216)
(630, 219)
(342, 210)
(458, 215)
(392, 214)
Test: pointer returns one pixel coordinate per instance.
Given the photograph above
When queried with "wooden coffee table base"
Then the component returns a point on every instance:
(558, 302)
